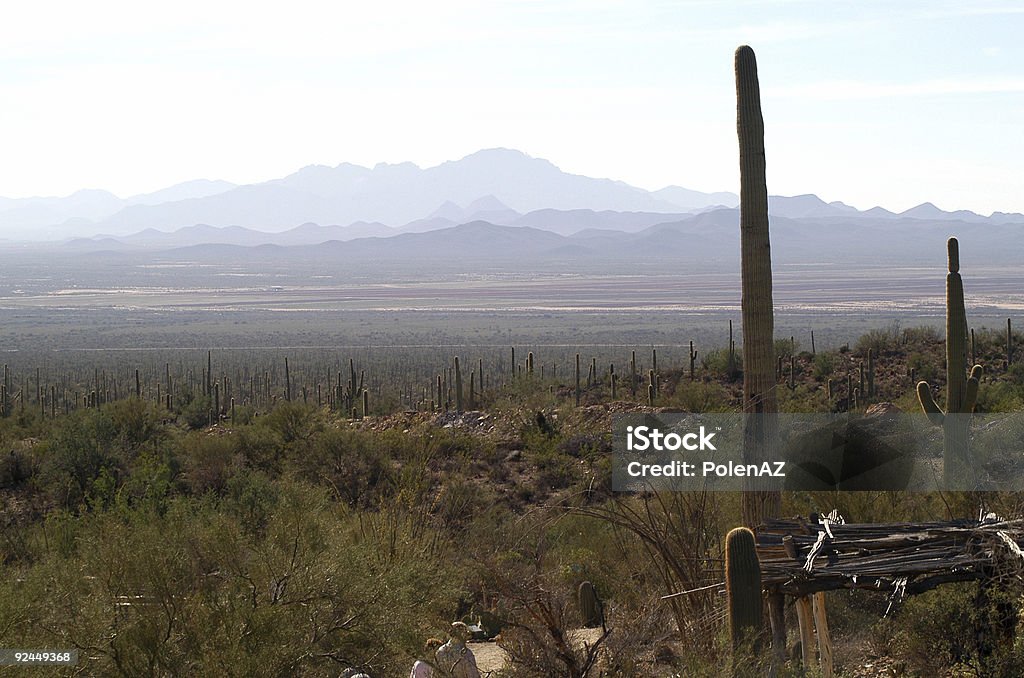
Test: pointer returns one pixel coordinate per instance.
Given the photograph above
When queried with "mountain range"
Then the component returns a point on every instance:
(400, 211)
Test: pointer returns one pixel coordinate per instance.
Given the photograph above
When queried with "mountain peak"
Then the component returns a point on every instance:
(487, 203)
(925, 210)
(502, 158)
(447, 210)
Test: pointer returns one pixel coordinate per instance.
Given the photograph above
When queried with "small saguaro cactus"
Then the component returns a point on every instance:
(743, 592)
(730, 369)
(590, 605)
(632, 374)
(961, 389)
(1009, 343)
(458, 386)
(287, 381)
(577, 380)
(871, 373)
(693, 359)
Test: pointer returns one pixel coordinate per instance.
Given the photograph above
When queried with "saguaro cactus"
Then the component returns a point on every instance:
(1009, 343)
(743, 592)
(577, 380)
(961, 389)
(458, 386)
(590, 605)
(871, 373)
(759, 397)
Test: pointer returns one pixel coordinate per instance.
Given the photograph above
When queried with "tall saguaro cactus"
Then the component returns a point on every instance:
(759, 397)
(961, 389)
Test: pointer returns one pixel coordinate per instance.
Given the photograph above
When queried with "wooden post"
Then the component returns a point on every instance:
(777, 617)
(804, 616)
(821, 630)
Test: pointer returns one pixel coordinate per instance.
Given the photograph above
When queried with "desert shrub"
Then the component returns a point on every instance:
(351, 464)
(824, 365)
(16, 466)
(785, 346)
(716, 361)
(997, 397)
(195, 410)
(924, 366)
(1016, 373)
(136, 421)
(939, 631)
(261, 447)
(293, 422)
(922, 335)
(585, 445)
(208, 461)
(194, 590)
(699, 396)
(802, 399)
(880, 340)
(457, 501)
(154, 479)
(82, 446)
(252, 498)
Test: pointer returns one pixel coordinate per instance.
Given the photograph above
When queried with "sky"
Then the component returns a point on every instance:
(870, 103)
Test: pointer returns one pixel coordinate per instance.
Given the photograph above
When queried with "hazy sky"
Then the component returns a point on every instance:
(889, 103)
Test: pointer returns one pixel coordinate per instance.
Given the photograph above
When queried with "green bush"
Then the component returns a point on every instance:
(924, 366)
(879, 340)
(352, 464)
(716, 361)
(824, 365)
(922, 335)
(81, 448)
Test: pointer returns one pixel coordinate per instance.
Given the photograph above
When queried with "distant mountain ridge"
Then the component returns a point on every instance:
(346, 202)
(708, 241)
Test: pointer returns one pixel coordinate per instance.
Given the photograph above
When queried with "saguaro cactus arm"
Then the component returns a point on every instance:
(971, 390)
(928, 404)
